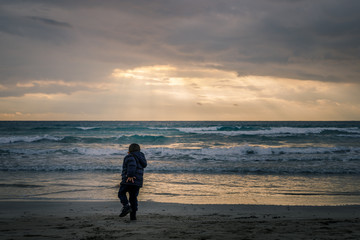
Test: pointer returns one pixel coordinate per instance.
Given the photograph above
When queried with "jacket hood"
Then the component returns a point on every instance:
(141, 158)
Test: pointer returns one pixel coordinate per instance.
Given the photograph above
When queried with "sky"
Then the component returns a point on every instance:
(180, 60)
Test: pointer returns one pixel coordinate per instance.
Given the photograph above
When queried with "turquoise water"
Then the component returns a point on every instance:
(287, 163)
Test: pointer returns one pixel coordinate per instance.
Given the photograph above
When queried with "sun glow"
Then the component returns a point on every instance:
(167, 92)
(146, 72)
(215, 90)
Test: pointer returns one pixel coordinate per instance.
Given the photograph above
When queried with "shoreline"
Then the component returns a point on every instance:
(99, 220)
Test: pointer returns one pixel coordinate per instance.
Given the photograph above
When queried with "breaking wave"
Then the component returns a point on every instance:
(180, 153)
(232, 131)
(15, 139)
(244, 160)
(83, 139)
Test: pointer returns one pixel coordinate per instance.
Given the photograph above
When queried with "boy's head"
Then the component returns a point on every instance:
(134, 147)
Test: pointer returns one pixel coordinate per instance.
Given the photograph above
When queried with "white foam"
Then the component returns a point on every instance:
(86, 128)
(269, 131)
(198, 129)
(96, 151)
(14, 139)
(183, 154)
(187, 129)
(247, 149)
(241, 159)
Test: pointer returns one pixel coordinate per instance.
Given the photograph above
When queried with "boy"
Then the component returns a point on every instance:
(132, 180)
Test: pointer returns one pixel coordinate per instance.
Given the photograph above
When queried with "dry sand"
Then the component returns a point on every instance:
(99, 220)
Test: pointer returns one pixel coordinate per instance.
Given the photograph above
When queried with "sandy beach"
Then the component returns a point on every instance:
(99, 220)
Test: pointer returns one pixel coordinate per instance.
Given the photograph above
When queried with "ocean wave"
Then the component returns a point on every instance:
(66, 151)
(169, 169)
(86, 139)
(258, 170)
(251, 150)
(349, 135)
(221, 153)
(87, 128)
(236, 160)
(61, 168)
(116, 139)
(238, 130)
(15, 139)
(96, 151)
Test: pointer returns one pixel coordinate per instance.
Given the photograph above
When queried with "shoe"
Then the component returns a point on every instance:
(126, 209)
(133, 215)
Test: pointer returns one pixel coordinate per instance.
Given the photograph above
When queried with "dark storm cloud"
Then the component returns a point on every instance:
(85, 40)
(43, 29)
(50, 22)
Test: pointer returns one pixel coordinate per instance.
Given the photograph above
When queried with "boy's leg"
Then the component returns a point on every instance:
(123, 199)
(122, 195)
(133, 194)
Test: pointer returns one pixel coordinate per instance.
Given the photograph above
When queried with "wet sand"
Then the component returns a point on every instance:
(99, 220)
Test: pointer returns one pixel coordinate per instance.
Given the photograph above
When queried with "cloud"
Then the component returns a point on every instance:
(50, 22)
(165, 92)
(217, 50)
(291, 39)
(45, 87)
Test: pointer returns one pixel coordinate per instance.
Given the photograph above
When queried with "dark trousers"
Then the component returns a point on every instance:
(133, 194)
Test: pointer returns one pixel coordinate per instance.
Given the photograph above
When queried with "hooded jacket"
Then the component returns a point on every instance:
(133, 166)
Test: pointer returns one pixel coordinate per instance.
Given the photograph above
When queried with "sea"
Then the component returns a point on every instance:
(195, 162)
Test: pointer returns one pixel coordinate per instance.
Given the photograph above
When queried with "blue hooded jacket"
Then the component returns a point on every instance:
(133, 166)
